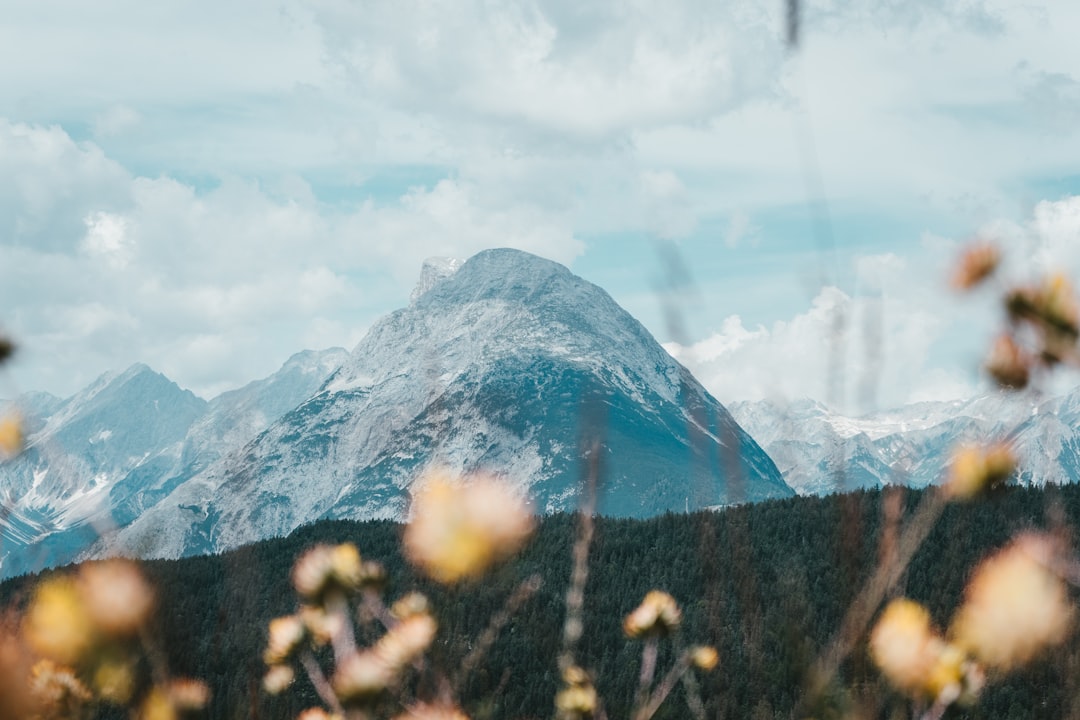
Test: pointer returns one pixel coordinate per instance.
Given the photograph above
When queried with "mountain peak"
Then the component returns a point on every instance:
(432, 272)
(311, 361)
(512, 275)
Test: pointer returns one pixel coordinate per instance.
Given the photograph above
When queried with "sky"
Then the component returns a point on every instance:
(209, 187)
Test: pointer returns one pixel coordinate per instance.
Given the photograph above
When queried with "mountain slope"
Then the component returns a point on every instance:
(98, 459)
(821, 451)
(495, 365)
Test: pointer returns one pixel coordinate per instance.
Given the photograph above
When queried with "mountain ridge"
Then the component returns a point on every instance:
(484, 370)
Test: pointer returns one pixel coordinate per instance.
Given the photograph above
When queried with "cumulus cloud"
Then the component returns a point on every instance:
(214, 286)
(583, 72)
(856, 352)
(116, 120)
(279, 187)
(901, 337)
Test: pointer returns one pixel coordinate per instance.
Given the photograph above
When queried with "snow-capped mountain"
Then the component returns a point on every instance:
(821, 451)
(96, 460)
(77, 450)
(500, 363)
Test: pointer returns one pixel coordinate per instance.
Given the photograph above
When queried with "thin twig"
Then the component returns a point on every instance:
(873, 592)
(665, 688)
(342, 638)
(575, 595)
(523, 592)
(693, 696)
(649, 652)
(319, 681)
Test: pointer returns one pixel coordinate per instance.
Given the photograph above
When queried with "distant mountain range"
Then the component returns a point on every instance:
(501, 363)
(820, 451)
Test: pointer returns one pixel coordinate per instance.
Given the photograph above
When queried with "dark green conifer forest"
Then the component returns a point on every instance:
(766, 584)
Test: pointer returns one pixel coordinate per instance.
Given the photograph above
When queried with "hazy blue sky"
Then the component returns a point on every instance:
(210, 186)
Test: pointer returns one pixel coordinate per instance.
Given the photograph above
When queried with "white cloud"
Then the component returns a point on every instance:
(215, 287)
(902, 338)
(582, 72)
(741, 230)
(879, 348)
(116, 120)
(107, 237)
(530, 124)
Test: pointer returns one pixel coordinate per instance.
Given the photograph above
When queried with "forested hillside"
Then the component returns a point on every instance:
(767, 584)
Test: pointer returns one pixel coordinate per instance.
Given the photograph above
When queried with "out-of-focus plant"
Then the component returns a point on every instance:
(1042, 319)
(459, 527)
(81, 641)
(1016, 602)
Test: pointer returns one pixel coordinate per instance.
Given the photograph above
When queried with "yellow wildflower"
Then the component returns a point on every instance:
(978, 261)
(118, 600)
(188, 694)
(977, 469)
(658, 614)
(114, 681)
(326, 568)
(576, 702)
(704, 657)
(277, 678)
(57, 625)
(11, 437)
(432, 712)
(1008, 364)
(362, 676)
(905, 647)
(406, 641)
(157, 705)
(1014, 606)
(460, 527)
(285, 636)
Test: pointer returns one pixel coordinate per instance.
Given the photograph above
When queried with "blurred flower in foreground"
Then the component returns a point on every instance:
(406, 641)
(432, 712)
(361, 677)
(7, 349)
(179, 696)
(57, 689)
(918, 661)
(15, 662)
(187, 694)
(658, 614)
(322, 626)
(11, 437)
(1051, 306)
(459, 527)
(976, 469)
(57, 625)
(406, 606)
(117, 598)
(577, 700)
(704, 657)
(1009, 364)
(905, 647)
(978, 261)
(277, 678)
(1014, 605)
(284, 637)
(317, 714)
(328, 568)
(114, 682)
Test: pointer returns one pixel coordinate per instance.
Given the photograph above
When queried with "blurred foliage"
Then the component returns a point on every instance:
(766, 584)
